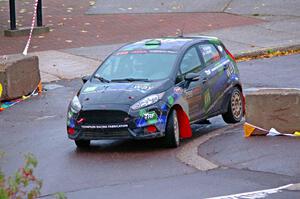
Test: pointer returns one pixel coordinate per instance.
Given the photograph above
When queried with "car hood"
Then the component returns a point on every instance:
(126, 93)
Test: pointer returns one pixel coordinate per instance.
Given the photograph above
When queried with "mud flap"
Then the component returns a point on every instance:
(244, 104)
(184, 124)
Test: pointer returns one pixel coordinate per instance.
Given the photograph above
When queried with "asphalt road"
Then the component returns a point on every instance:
(128, 169)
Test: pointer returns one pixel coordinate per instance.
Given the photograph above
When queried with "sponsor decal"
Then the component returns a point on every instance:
(164, 107)
(171, 100)
(71, 123)
(196, 91)
(138, 52)
(90, 89)
(214, 40)
(163, 51)
(70, 114)
(142, 112)
(207, 99)
(230, 70)
(207, 72)
(206, 50)
(219, 65)
(143, 87)
(109, 126)
(178, 90)
(189, 94)
(150, 115)
(147, 118)
(122, 53)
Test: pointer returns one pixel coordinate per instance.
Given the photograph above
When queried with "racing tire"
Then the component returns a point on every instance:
(172, 134)
(82, 143)
(235, 110)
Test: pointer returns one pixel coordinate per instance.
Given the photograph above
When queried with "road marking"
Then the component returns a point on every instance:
(254, 194)
(45, 117)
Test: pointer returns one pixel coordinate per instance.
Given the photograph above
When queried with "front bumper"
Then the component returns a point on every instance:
(117, 122)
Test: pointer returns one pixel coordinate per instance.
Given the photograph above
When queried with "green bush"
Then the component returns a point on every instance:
(23, 184)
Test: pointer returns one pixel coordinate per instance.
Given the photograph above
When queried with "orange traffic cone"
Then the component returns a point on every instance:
(250, 130)
(40, 88)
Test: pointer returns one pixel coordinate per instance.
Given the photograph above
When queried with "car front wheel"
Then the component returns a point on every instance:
(172, 135)
(235, 111)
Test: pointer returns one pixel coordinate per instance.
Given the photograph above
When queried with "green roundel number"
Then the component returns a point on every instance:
(171, 100)
(151, 117)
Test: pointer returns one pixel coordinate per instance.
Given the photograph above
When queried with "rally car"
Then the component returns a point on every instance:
(156, 88)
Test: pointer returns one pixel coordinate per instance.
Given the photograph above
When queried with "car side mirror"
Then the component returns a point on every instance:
(85, 78)
(190, 77)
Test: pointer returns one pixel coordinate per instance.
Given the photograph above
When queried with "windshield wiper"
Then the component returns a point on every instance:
(102, 79)
(131, 80)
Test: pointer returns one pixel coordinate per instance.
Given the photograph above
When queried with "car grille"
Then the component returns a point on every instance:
(103, 116)
(94, 135)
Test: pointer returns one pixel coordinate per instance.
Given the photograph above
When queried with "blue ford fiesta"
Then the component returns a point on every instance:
(156, 88)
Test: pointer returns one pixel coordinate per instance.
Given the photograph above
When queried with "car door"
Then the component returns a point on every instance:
(191, 63)
(216, 81)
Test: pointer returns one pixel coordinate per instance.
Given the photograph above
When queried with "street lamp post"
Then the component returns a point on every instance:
(12, 8)
(39, 14)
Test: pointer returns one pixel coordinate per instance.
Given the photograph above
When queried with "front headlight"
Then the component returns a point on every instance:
(151, 99)
(75, 104)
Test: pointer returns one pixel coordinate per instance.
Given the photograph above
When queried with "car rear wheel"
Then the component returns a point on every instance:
(172, 135)
(235, 111)
(82, 143)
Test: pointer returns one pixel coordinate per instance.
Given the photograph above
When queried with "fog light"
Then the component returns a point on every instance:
(71, 131)
(151, 129)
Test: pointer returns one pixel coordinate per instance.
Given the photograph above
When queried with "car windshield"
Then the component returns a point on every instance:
(137, 66)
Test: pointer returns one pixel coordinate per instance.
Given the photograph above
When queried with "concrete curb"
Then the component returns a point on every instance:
(266, 51)
(24, 31)
(189, 152)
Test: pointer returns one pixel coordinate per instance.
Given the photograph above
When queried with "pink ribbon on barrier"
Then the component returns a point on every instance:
(31, 29)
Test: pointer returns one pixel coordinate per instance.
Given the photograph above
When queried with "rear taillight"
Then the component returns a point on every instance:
(230, 55)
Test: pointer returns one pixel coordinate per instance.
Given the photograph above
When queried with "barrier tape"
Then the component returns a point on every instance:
(31, 29)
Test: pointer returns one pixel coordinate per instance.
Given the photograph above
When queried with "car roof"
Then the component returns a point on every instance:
(166, 43)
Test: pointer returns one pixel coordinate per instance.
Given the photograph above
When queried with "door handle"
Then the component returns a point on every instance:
(204, 80)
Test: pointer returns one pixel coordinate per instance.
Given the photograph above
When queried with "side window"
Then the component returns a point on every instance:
(191, 62)
(210, 53)
(221, 50)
